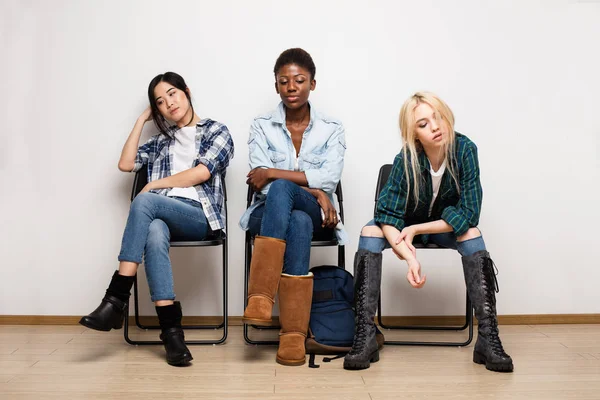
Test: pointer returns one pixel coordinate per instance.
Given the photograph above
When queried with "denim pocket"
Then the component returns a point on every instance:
(277, 158)
(314, 161)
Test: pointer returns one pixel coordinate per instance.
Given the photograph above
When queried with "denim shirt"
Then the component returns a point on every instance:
(321, 155)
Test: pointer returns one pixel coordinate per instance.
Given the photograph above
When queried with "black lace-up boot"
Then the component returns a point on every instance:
(367, 283)
(482, 287)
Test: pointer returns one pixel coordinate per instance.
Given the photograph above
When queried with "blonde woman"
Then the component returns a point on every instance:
(433, 195)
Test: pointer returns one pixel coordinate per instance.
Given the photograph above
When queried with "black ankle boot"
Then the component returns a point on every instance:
(482, 287)
(110, 312)
(367, 283)
(169, 318)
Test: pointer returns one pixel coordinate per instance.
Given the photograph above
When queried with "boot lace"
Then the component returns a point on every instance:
(491, 271)
(361, 333)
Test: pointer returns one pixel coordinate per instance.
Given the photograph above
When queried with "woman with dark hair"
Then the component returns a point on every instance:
(183, 200)
(296, 161)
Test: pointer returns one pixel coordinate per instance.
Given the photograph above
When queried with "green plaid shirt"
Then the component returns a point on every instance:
(461, 211)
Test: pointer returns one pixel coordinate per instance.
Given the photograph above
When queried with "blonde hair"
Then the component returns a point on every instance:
(412, 147)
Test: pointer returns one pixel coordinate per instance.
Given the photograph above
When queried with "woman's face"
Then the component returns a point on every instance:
(294, 83)
(172, 102)
(430, 128)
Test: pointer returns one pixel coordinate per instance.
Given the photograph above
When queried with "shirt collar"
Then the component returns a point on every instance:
(278, 115)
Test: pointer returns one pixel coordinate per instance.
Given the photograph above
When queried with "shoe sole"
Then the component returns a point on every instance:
(259, 322)
(290, 363)
(183, 361)
(479, 358)
(97, 328)
(353, 365)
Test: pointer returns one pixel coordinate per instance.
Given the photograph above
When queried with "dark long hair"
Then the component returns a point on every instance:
(177, 81)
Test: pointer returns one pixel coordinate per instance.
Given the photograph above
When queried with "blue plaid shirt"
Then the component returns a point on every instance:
(214, 147)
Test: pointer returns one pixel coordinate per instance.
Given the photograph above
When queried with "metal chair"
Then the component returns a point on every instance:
(249, 242)
(141, 179)
(384, 173)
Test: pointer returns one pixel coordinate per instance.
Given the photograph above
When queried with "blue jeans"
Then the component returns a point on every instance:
(292, 214)
(447, 240)
(153, 220)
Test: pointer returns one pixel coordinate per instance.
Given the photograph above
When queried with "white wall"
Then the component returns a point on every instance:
(521, 77)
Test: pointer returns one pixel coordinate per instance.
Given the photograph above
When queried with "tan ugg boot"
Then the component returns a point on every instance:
(265, 272)
(295, 297)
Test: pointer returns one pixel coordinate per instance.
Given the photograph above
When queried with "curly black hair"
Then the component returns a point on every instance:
(296, 56)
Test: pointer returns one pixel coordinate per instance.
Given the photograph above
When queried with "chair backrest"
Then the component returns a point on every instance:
(140, 180)
(338, 194)
(384, 174)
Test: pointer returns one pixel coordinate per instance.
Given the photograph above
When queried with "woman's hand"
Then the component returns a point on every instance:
(330, 214)
(147, 188)
(414, 274)
(146, 115)
(258, 178)
(408, 234)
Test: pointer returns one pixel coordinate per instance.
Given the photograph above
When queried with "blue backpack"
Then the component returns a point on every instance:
(331, 326)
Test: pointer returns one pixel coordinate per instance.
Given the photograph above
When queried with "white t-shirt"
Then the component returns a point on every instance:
(436, 181)
(184, 154)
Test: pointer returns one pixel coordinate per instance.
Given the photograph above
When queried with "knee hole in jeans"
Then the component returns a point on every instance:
(472, 233)
(371, 231)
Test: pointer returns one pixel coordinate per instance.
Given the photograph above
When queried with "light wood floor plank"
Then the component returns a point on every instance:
(71, 362)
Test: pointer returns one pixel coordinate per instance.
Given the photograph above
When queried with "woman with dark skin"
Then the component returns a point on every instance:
(296, 160)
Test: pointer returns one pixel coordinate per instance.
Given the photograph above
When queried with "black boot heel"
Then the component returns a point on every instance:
(375, 357)
(478, 358)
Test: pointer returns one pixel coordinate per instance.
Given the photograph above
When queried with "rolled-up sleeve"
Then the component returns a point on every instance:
(258, 155)
(220, 151)
(146, 153)
(329, 174)
(391, 206)
(465, 214)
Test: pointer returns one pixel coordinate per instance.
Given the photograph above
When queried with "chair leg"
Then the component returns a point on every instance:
(468, 324)
(342, 257)
(223, 324)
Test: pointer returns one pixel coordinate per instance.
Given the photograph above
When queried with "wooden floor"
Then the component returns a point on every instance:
(72, 362)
